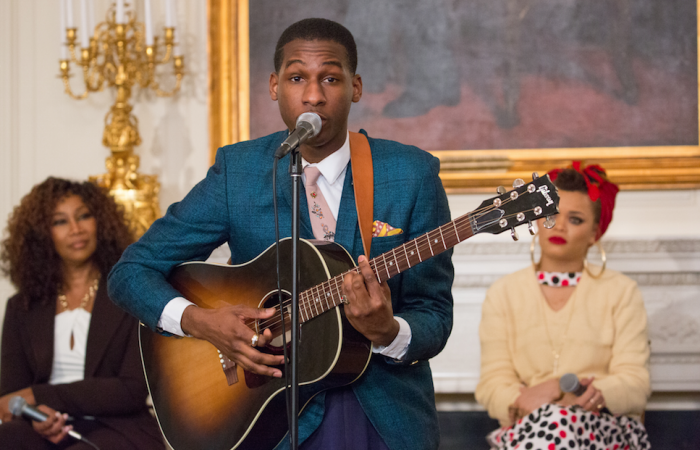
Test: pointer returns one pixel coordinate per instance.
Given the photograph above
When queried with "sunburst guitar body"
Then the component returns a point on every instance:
(196, 406)
(204, 401)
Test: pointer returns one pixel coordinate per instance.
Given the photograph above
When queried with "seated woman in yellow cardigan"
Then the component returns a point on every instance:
(564, 316)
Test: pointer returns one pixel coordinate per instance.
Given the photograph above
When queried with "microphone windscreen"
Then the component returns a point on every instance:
(569, 383)
(16, 405)
(313, 119)
(19, 407)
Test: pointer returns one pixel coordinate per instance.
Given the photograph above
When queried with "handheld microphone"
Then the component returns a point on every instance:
(308, 126)
(569, 383)
(20, 407)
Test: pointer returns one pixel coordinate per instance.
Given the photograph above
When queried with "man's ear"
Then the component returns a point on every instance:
(356, 88)
(274, 84)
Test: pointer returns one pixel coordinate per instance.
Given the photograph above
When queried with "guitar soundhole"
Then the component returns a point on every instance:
(274, 347)
(272, 301)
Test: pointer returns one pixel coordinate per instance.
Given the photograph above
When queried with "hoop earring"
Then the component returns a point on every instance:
(536, 265)
(602, 257)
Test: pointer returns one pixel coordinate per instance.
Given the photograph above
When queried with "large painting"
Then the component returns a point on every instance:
(495, 88)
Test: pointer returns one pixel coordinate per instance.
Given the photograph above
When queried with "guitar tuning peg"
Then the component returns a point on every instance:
(514, 234)
(500, 190)
(518, 182)
(535, 176)
(531, 228)
(550, 222)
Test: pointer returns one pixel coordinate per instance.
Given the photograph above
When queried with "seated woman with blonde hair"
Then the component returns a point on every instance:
(66, 348)
(560, 316)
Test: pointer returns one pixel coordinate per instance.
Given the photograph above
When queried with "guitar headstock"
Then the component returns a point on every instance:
(525, 203)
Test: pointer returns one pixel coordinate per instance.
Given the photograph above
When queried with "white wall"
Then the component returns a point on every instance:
(43, 132)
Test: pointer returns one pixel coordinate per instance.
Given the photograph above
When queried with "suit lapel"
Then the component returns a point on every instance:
(40, 328)
(105, 321)
(284, 187)
(346, 225)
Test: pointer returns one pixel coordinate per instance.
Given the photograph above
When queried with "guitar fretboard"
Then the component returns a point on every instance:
(328, 295)
(529, 202)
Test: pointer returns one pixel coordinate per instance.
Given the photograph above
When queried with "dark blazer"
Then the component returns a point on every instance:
(234, 204)
(113, 390)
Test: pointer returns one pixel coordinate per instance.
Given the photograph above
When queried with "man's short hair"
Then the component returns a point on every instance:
(321, 30)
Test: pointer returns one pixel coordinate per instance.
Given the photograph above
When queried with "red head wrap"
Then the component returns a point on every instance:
(598, 188)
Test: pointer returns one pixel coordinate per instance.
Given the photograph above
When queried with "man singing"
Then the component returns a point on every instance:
(407, 318)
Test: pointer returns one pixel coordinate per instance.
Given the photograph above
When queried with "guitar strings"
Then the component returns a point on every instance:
(305, 303)
(306, 297)
(333, 285)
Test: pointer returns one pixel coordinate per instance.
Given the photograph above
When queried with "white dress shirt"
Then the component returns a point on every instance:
(333, 169)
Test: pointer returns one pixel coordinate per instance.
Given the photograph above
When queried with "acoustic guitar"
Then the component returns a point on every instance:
(204, 401)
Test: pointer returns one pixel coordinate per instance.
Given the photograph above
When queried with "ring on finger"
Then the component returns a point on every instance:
(254, 340)
(600, 406)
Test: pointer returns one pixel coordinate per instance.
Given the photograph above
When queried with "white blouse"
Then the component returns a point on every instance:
(69, 363)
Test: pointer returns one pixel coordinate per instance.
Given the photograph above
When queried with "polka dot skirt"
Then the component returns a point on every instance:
(552, 427)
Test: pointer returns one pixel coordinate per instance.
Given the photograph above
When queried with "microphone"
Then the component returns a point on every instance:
(308, 126)
(569, 383)
(20, 407)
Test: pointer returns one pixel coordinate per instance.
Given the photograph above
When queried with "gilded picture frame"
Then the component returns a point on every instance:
(633, 168)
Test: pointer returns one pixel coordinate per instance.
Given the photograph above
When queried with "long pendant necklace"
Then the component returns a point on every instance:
(556, 352)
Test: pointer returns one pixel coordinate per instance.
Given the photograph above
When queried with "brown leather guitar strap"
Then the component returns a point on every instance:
(363, 183)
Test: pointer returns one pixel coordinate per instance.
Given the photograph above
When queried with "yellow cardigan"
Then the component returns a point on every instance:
(601, 332)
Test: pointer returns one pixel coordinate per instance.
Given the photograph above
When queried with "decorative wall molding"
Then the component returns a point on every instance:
(463, 281)
(653, 246)
(466, 281)
(665, 278)
(659, 401)
(683, 359)
(612, 247)
(674, 332)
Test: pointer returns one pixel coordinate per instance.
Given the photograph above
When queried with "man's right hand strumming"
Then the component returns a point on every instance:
(225, 328)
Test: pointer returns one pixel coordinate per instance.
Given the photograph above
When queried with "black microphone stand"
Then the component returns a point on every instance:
(307, 127)
(295, 172)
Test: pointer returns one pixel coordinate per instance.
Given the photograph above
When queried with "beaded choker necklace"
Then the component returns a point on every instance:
(559, 279)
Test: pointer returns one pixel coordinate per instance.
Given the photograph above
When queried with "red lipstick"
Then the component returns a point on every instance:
(556, 240)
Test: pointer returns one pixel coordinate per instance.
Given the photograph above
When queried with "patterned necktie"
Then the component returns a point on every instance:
(322, 221)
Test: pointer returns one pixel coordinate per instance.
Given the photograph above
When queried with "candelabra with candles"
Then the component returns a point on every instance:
(121, 53)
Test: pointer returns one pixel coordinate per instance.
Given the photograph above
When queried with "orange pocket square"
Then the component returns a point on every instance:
(382, 229)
